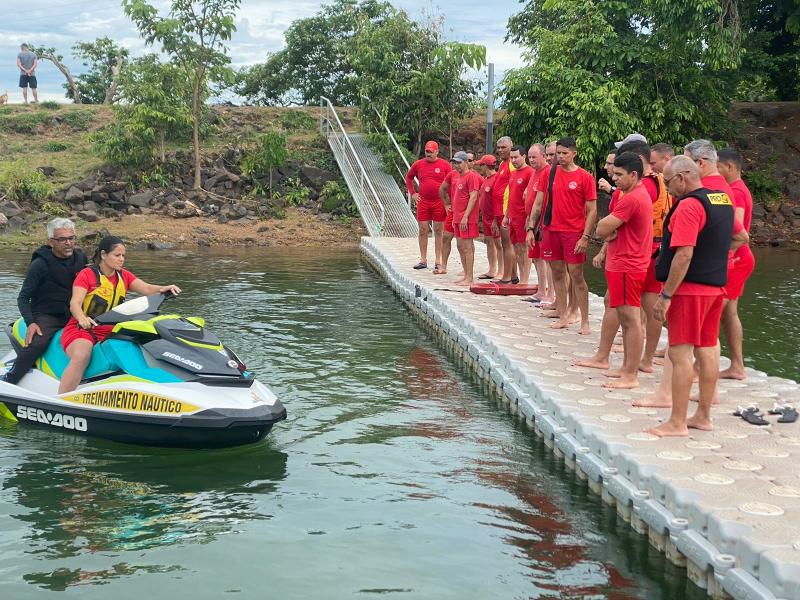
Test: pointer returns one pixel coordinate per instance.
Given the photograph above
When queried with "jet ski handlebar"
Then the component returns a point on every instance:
(137, 309)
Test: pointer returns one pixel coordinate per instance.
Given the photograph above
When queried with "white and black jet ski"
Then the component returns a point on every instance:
(158, 380)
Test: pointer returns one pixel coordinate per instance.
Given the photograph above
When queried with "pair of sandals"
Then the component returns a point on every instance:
(437, 269)
(753, 415)
(513, 280)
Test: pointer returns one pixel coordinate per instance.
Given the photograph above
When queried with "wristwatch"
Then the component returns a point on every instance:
(664, 295)
(530, 229)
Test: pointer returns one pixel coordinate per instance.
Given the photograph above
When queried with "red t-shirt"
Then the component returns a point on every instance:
(450, 179)
(630, 251)
(499, 189)
(571, 191)
(465, 185)
(685, 225)
(530, 191)
(431, 174)
(719, 184)
(743, 199)
(517, 183)
(485, 197)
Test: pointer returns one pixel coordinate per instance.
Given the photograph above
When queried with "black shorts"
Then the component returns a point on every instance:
(27, 80)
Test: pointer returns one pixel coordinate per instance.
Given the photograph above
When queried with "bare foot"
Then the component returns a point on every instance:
(656, 400)
(617, 348)
(487, 276)
(592, 363)
(458, 281)
(560, 324)
(696, 398)
(646, 367)
(617, 373)
(464, 282)
(695, 422)
(669, 430)
(440, 272)
(661, 353)
(573, 318)
(624, 383)
(585, 329)
(658, 361)
(730, 373)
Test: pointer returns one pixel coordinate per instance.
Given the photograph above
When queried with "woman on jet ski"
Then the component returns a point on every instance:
(98, 289)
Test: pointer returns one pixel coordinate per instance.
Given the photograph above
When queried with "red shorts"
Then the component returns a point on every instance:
(516, 229)
(694, 320)
(487, 227)
(448, 222)
(471, 232)
(560, 245)
(430, 210)
(625, 289)
(535, 252)
(743, 264)
(651, 286)
(72, 332)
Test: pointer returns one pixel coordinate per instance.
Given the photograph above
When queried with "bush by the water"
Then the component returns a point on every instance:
(123, 146)
(296, 193)
(764, 187)
(270, 153)
(21, 181)
(337, 200)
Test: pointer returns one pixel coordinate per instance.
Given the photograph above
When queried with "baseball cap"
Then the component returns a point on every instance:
(460, 156)
(487, 159)
(634, 137)
(431, 146)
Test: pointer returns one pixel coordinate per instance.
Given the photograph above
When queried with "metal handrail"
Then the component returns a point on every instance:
(364, 177)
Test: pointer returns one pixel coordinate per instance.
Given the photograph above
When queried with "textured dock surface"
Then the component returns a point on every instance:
(725, 503)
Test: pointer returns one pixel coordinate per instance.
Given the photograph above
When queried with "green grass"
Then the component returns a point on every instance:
(78, 119)
(50, 105)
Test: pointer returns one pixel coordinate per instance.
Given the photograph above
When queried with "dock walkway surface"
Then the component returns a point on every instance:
(725, 504)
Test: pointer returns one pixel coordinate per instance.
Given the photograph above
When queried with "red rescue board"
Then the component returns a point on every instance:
(503, 289)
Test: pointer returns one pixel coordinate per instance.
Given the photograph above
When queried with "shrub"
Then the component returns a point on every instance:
(296, 193)
(21, 181)
(78, 119)
(296, 120)
(26, 122)
(56, 146)
(764, 187)
(270, 153)
(123, 146)
(50, 105)
(54, 209)
(337, 200)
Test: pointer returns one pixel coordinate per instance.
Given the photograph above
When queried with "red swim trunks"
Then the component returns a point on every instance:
(694, 320)
(651, 286)
(560, 245)
(471, 232)
(448, 222)
(625, 289)
(516, 229)
(743, 265)
(535, 252)
(72, 332)
(431, 210)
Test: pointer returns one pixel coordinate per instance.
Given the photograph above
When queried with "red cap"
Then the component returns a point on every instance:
(487, 159)
(431, 146)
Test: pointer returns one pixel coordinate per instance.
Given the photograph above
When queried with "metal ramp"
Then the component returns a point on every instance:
(383, 207)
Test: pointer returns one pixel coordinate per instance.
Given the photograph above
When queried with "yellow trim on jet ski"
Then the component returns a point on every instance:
(199, 321)
(142, 326)
(42, 365)
(117, 379)
(217, 347)
(132, 400)
(4, 412)
(17, 335)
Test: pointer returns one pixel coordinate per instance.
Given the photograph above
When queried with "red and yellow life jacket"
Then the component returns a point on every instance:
(105, 296)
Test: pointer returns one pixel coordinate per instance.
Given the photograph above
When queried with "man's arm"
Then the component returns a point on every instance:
(19, 65)
(412, 173)
(444, 192)
(37, 271)
(740, 238)
(608, 225)
(473, 200)
(591, 216)
(34, 65)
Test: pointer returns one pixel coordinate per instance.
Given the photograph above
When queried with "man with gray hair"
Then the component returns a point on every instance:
(44, 298)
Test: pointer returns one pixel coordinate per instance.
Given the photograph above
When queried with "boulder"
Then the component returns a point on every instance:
(142, 199)
(109, 212)
(759, 212)
(47, 171)
(10, 208)
(98, 197)
(86, 185)
(778, 219)
(203, 243)
(222, 219)
(777, 242)
(15, 223)
(160, 246)
(90, 205)
(314, 177)
(88, 215)
(786, 210)
(3, 220)
(109, 172)
(183, 209)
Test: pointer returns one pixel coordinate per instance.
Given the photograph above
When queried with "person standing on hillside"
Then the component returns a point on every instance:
(569, 220)
(430, 171)
(729, 164)
(27, 61)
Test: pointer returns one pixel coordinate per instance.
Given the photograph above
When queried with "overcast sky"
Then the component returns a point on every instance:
(260, 27)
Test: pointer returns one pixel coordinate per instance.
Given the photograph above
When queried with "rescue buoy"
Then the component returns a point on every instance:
(503, 289)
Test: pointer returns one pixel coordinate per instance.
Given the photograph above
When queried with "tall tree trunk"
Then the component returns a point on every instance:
(76, 96)
(196, 133)
(162, 152)
(112, 90)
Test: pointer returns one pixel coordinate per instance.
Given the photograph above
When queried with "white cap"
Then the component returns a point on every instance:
(634, 137)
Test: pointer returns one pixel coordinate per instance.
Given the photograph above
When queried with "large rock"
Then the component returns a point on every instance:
(759, 212)
(10, 208)
(99, 197)
(183, 209)
(3, 220)
(16, 223)
(86, 185)
(88, 215)
(315, 177)
(142, 199)
(47, 171)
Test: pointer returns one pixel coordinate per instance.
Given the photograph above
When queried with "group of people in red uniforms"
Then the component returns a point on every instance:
(674, 248)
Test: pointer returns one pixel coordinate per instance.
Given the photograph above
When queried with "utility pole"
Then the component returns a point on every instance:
(490, 113)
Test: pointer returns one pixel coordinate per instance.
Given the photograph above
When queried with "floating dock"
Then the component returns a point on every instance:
(723, 504)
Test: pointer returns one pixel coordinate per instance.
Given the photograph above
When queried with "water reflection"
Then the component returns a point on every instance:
(90, 496)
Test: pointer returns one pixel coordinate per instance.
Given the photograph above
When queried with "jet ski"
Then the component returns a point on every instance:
(158, 380)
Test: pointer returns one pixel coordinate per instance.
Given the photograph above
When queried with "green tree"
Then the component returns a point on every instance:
(103, 59)
(414, 78)
(599, 70)
(270, 153)
(314, 62)
(193, 34)
(51, 54)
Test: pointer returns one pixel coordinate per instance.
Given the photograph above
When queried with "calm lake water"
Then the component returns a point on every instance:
(396, 475)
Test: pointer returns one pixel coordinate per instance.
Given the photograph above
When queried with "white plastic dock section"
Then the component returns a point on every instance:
(724, 504)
